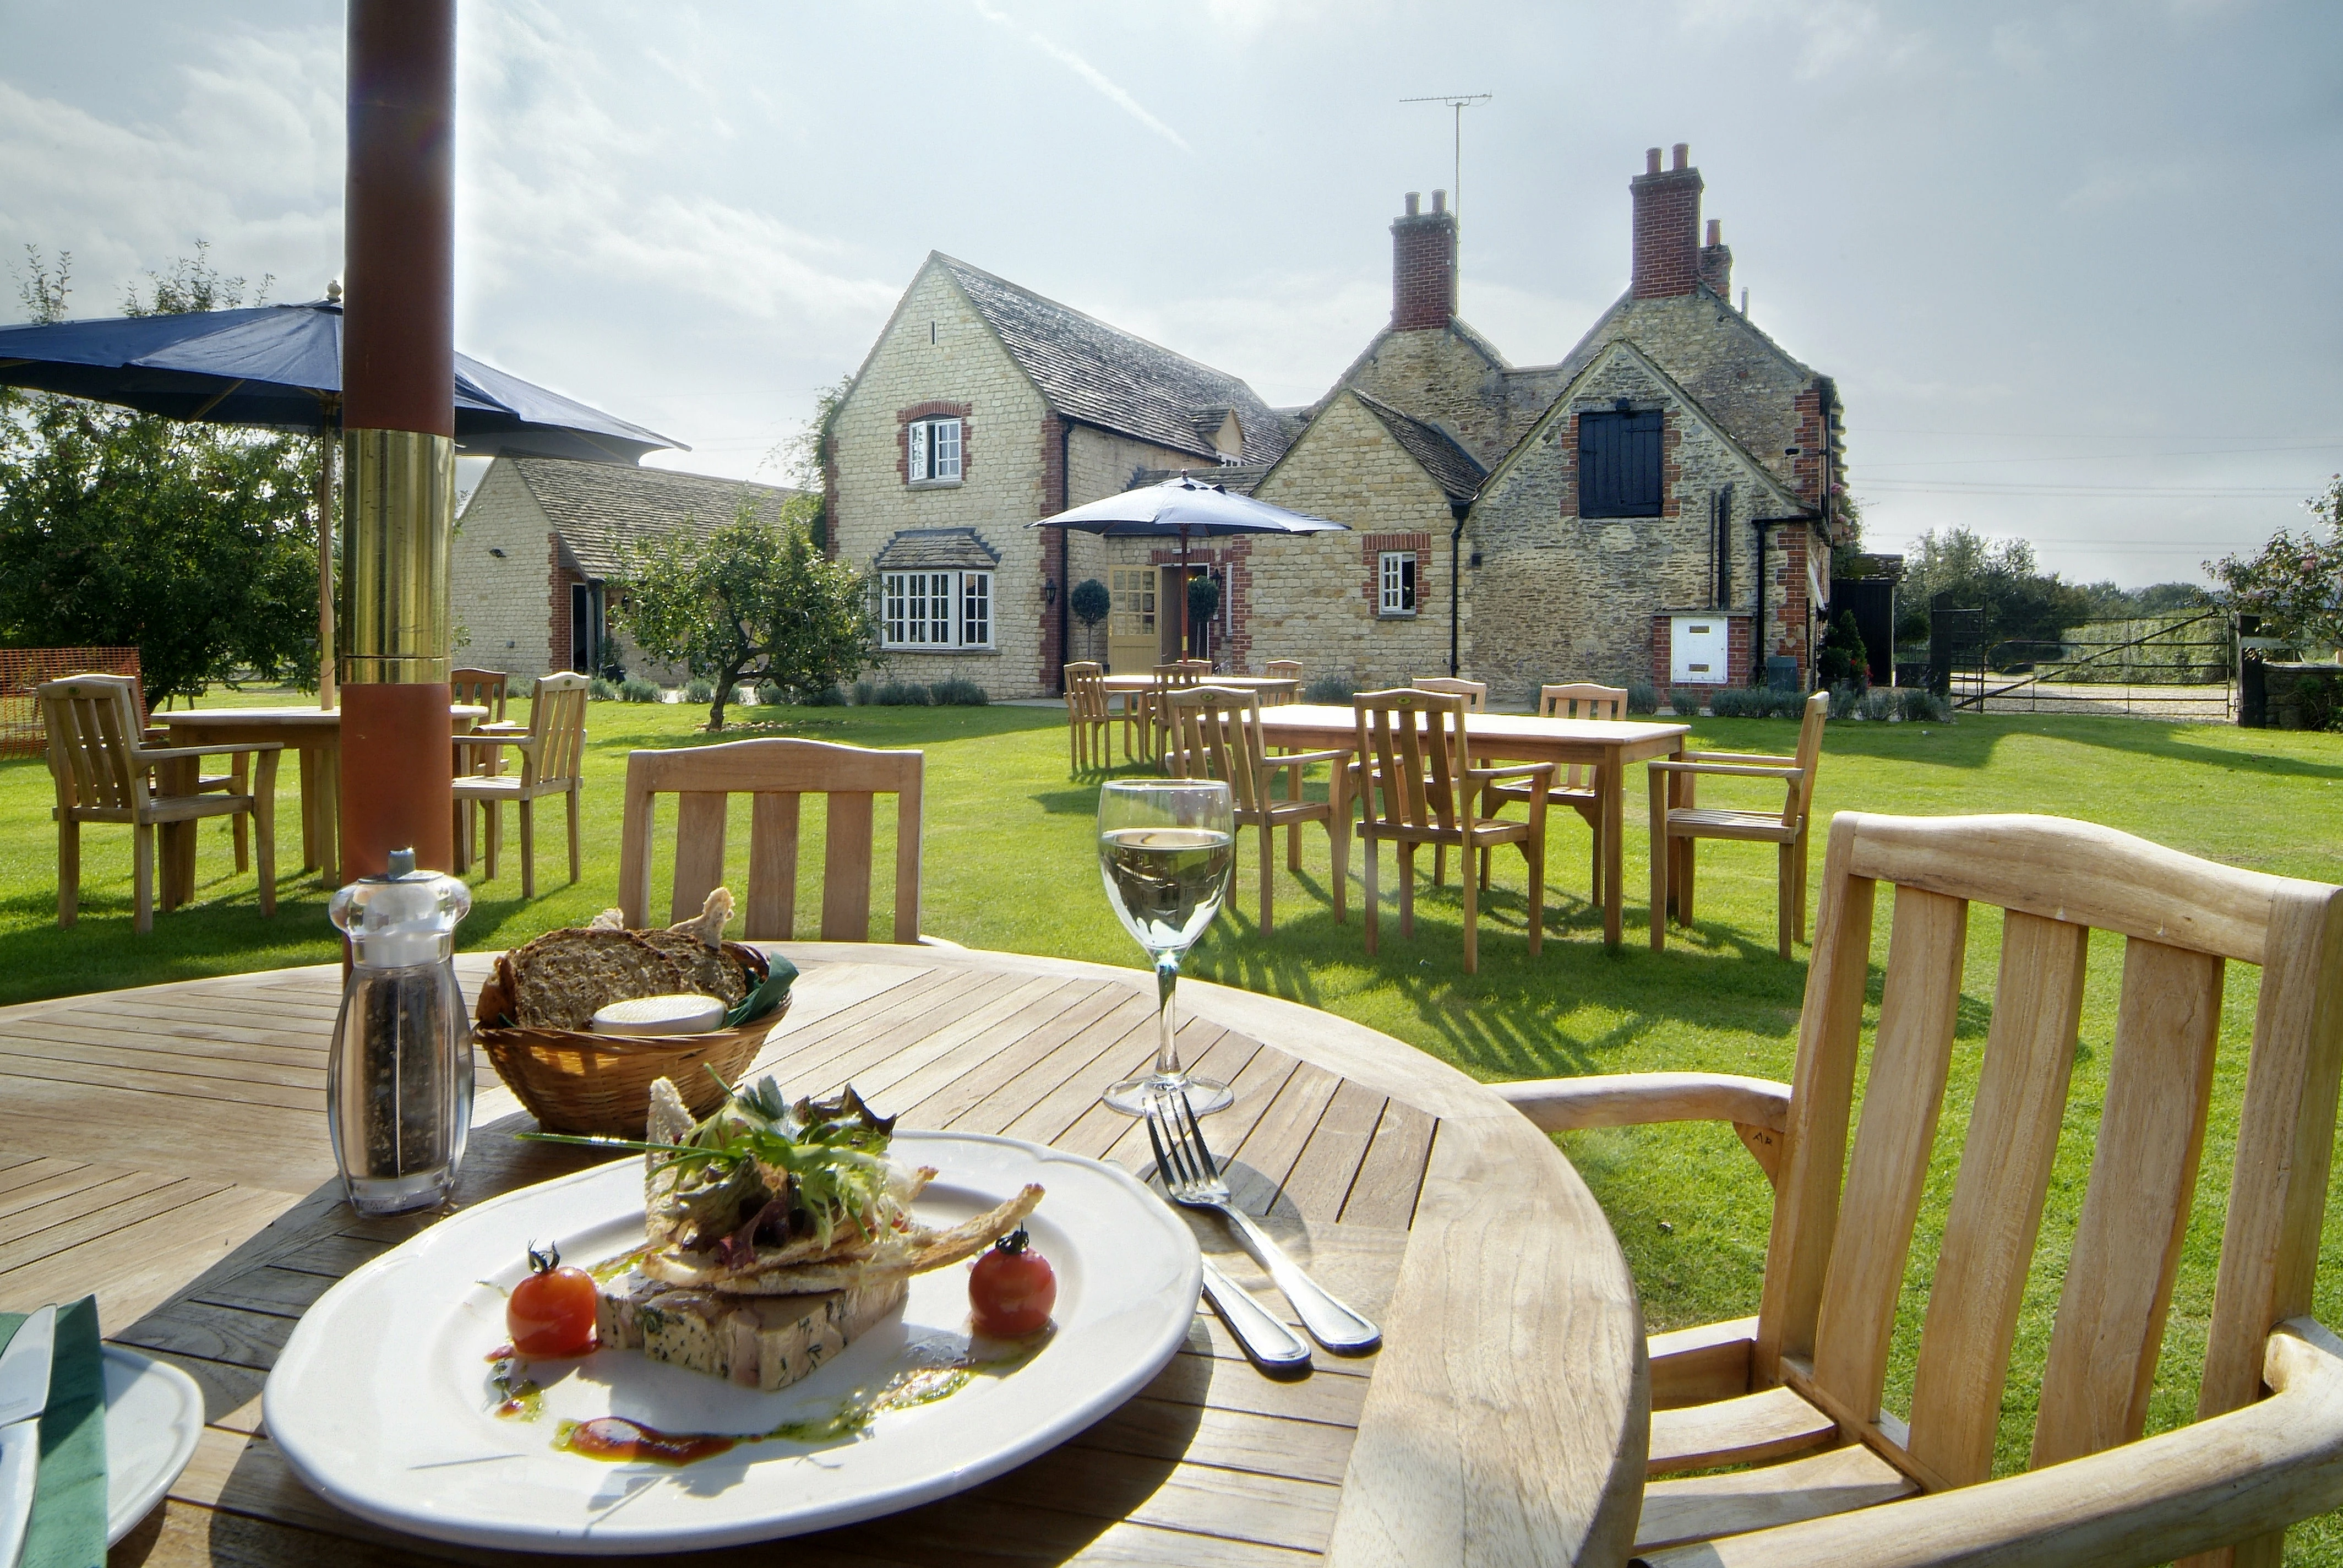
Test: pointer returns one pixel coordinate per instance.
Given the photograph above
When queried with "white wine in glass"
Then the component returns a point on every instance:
(1165, 850)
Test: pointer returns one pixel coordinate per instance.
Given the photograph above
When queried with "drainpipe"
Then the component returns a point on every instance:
(1455, 581)
(1065, 549)
(1757, 634)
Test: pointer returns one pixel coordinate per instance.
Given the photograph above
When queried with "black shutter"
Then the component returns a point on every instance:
(1619, 464)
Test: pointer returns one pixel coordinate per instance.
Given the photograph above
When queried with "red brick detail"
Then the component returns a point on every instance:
(560, 579)
(1370, 549)
(1789, 627)
(1740, 627)
(1056, 553)
(1717, 269)
(1230, 650)
(1424, 270)
(1666, 238)
(1809, 468)
(903, 417)
(1568, 443)
(1671, 470)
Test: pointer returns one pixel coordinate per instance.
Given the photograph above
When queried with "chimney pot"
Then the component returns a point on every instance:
(1411, 203)
(1715, 232)
(1439, 201)
(1423, 265)
(1651, 160)
(1683, 153)
(1667, 258)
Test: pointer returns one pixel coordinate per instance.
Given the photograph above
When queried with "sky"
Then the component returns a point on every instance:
(2074, 268)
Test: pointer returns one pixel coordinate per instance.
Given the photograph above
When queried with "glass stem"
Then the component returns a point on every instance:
(1166, 979)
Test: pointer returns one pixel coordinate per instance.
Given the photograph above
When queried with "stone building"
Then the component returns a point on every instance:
(1658, 505)
(539, 557)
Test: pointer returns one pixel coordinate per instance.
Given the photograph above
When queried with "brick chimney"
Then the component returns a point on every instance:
(1423, 265)
(1667, 226)
(1716, 263)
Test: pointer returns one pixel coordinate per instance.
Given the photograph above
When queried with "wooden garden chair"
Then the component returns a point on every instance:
(1415, 786)
(552, 762)
(1798, 1387)
(104, 772)
(1568, 700)
(778, 773)
(480, 688)
(236, 780)
(1216, 734)
(1282, 670)
(1677, 822)
(1475, 694)
(1155, 705)
(1089, 717)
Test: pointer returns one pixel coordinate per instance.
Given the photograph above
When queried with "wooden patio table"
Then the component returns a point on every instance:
(166, 1148)
(317, 733)
(1607, 746)
(1267, 685)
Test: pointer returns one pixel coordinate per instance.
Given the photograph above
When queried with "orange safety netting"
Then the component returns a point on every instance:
(23, 668)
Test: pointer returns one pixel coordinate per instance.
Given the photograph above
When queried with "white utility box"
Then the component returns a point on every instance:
(1696, 649)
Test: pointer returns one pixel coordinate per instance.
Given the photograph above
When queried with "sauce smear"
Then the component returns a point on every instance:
(614, 1437)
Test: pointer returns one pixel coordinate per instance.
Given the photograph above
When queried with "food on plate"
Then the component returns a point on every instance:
(775, 1234)
(1012, 1288)
(551, 1311)
(559, 981)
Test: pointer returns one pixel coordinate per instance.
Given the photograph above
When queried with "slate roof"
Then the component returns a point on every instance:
(1104, 375)
(938, 549)
(1237, 478)
(600, 508)
(1452, 468)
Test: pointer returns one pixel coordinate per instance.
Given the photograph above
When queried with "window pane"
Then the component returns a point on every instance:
(1395, 582)
(894, 608)
(915, 453)
(976, 609)
(943, 449)
(940, 608)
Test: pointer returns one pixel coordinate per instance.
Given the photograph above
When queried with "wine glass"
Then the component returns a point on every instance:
(1166, 847)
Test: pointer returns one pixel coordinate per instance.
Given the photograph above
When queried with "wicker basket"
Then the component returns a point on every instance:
(576, 1081)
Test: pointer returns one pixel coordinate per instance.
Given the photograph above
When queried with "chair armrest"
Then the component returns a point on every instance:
(1633, 1099)
(519, 740)
(1751, 758)
(189, 753)
(1300, 759)
(2229, 1478)
(1718, 768)
(1512, 771)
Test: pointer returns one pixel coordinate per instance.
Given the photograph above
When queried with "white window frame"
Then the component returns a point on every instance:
(1395, 573)
(927, 611)
(932, 451)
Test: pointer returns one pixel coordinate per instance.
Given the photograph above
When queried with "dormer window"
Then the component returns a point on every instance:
(931, 451)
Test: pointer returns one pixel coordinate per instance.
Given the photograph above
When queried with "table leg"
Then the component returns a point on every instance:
(308, 808)
(1662, 793)
(1611, 784)
(329, 815)
(178, 846)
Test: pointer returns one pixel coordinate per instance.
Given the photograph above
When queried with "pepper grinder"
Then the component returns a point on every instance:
(398, 1084)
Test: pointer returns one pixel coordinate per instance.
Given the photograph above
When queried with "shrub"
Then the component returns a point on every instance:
(635, 688)
(601, 691)
(828, 696)
(1787, 704)
(1737, 702)
(1845, 701)
(1919, 703)
(902, 694)
(1091, 603)
(1335, 689)
(1642, 697)
(957, 692)
(1684, 701)
(699, 689)
(865, 692)
(1879, 703)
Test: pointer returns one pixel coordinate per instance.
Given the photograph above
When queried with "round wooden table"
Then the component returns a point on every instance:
(166, 1149)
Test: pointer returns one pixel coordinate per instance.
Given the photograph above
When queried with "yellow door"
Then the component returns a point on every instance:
(1130, 632)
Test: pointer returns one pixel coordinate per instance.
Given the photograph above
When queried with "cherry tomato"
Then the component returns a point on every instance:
(551, 1312)
(1012, 1288)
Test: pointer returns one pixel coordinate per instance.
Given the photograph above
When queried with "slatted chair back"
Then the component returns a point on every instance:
(1199, 668)
(1476, 693)
(778, 773)
(1801, 793)
(1582, 699)
(93, 733)
(1086, 691)
(479, 688)
(1284, 669)
(1837, 1265)
(557, 723)
(1410, 744)
(1216, 734)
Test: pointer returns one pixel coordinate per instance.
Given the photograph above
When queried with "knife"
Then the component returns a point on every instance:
(1273, 1346)
(24, 1392)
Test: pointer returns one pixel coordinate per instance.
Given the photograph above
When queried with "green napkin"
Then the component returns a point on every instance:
(68, 1529)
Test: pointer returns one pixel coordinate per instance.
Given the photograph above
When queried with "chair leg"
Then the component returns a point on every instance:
(142, 878)
(1533, 851)
(1440, 865)
(1406, 890)
(1785, 898)
(1595, 837)
(572, 793)
(1373, 919)
(527, 848)
(239, 776)
(465, 823)
(1685, 871)
(1659, 851)
(263, 813)
(1268, 873)
(1471, 886)
(495, 830)
(68, 870)
(1798, 910)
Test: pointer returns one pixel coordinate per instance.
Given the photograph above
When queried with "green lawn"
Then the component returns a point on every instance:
(1009, 864)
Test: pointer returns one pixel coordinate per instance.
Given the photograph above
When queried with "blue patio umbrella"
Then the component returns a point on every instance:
(1183, 507)
(279, 367)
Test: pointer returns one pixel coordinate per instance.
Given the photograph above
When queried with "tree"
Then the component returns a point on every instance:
(2296, 582)
(191, 542)
(2022, 603)
(1090, 604)
(804, 458)
(1843, 660)
(755, 600)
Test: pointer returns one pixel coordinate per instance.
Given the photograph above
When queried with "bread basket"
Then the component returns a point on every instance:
(573, 1080)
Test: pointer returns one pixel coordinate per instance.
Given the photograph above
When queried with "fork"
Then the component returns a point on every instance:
(1193, 1178)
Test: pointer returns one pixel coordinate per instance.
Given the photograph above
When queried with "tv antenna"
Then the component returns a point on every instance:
(1460, 102)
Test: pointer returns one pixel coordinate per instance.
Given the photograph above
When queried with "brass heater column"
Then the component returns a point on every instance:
(398, 449)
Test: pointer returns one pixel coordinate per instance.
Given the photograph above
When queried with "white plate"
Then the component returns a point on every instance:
(154, 1414)
(380, 1401)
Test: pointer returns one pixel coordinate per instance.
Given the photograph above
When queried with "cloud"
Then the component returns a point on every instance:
(1087, 72)
(1832, 36)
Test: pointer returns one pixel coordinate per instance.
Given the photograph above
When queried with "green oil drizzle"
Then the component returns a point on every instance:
(513, 1394)
(609, 1269)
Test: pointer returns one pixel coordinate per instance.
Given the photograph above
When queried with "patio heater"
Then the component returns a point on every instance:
(399, 448)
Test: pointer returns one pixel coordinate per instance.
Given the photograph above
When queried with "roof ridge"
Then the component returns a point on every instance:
(1094, 320)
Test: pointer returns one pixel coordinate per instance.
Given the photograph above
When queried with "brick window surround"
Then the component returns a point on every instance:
(903, 417)
(1372, 547)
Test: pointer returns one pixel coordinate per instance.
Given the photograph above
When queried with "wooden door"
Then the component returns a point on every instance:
(1132, 638)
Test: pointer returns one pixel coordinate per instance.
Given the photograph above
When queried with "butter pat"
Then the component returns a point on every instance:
(674, 1014)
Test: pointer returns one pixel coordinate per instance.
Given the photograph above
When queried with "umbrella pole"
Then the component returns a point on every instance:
(1184, 650)
(328, 698)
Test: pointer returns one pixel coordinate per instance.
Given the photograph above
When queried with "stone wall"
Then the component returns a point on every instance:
(498, 583)
(1312, 597)
(936, 350)
(1442, 375)
(1559, 598)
